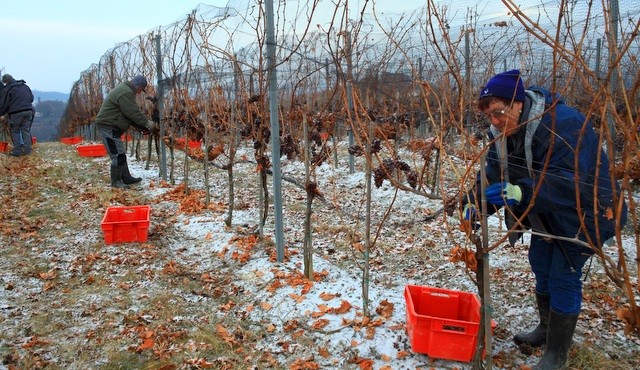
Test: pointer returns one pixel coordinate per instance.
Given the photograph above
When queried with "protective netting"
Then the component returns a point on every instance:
(421, 60)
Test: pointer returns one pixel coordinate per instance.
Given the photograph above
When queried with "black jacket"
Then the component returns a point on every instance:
(16, 97)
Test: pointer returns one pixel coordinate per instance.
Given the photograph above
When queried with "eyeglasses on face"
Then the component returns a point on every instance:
(497, 113)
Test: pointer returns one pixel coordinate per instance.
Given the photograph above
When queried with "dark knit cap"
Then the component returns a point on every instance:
(7, 78)
(139, 81)
(506, 85)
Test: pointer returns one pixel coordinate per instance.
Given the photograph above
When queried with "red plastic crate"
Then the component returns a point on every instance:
(122, 224)
(4, 146)
(33, 140)
(71, 140)
(442, 323)
(95, 150)
(192, 143)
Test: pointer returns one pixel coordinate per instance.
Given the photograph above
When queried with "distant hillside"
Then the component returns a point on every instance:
(49, 95)
(47, 120)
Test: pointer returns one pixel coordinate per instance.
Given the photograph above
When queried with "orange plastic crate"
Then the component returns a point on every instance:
(122, 224)
(71, 140)
(442, 323)
(95, 150)
(4, 146)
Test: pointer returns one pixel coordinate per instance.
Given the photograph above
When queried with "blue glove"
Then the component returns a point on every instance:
(503, 193)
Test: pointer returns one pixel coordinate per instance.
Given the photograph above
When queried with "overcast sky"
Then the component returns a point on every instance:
(49, 43)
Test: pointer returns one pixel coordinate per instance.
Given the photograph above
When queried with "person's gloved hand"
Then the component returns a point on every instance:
(471, 216)
(151, 125)
(503, 193)
(469, 212)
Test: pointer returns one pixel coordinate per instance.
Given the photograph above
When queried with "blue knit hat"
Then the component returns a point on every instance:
(506, 85)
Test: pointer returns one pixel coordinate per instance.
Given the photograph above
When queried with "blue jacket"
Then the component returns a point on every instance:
(557, 134)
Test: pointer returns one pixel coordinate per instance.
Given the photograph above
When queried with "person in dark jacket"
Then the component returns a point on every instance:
(535, 141)
(3, 117)
(17, 102)
(118, 112)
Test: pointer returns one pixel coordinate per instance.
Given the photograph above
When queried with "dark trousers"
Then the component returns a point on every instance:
(112, 140)
(20, 127)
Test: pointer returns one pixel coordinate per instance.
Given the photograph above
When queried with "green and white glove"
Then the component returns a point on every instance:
(469, 212)
(503, 194)
(471, 215)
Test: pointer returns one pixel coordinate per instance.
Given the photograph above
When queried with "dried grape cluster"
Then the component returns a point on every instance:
(289, 147)
(375, 146)
(246, 130)
(318, 136)
(356, 150)
(412, 178)
(393, 166)
(155, 112)
(317, 158)
(314, 137)
(379, 175)
(260, 133)
(256, 128)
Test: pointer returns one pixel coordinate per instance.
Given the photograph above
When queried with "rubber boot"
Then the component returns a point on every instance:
(526, 342)
(16, 152)
(559, 336)
(126, 176)
(116, 178)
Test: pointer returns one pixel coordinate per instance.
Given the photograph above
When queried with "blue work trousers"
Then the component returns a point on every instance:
(557, 266)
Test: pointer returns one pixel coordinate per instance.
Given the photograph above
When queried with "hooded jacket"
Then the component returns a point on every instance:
(120, 110)
(555, 130)
(16, 97)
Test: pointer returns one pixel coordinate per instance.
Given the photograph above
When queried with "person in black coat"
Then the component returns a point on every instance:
(17, 102)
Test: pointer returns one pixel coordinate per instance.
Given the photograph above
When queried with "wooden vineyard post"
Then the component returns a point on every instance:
(483, 277)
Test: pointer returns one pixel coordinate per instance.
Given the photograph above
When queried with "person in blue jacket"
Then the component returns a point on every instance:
(571, 207)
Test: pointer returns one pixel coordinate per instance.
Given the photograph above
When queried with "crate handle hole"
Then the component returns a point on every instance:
(436, 294)
(459, 329)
